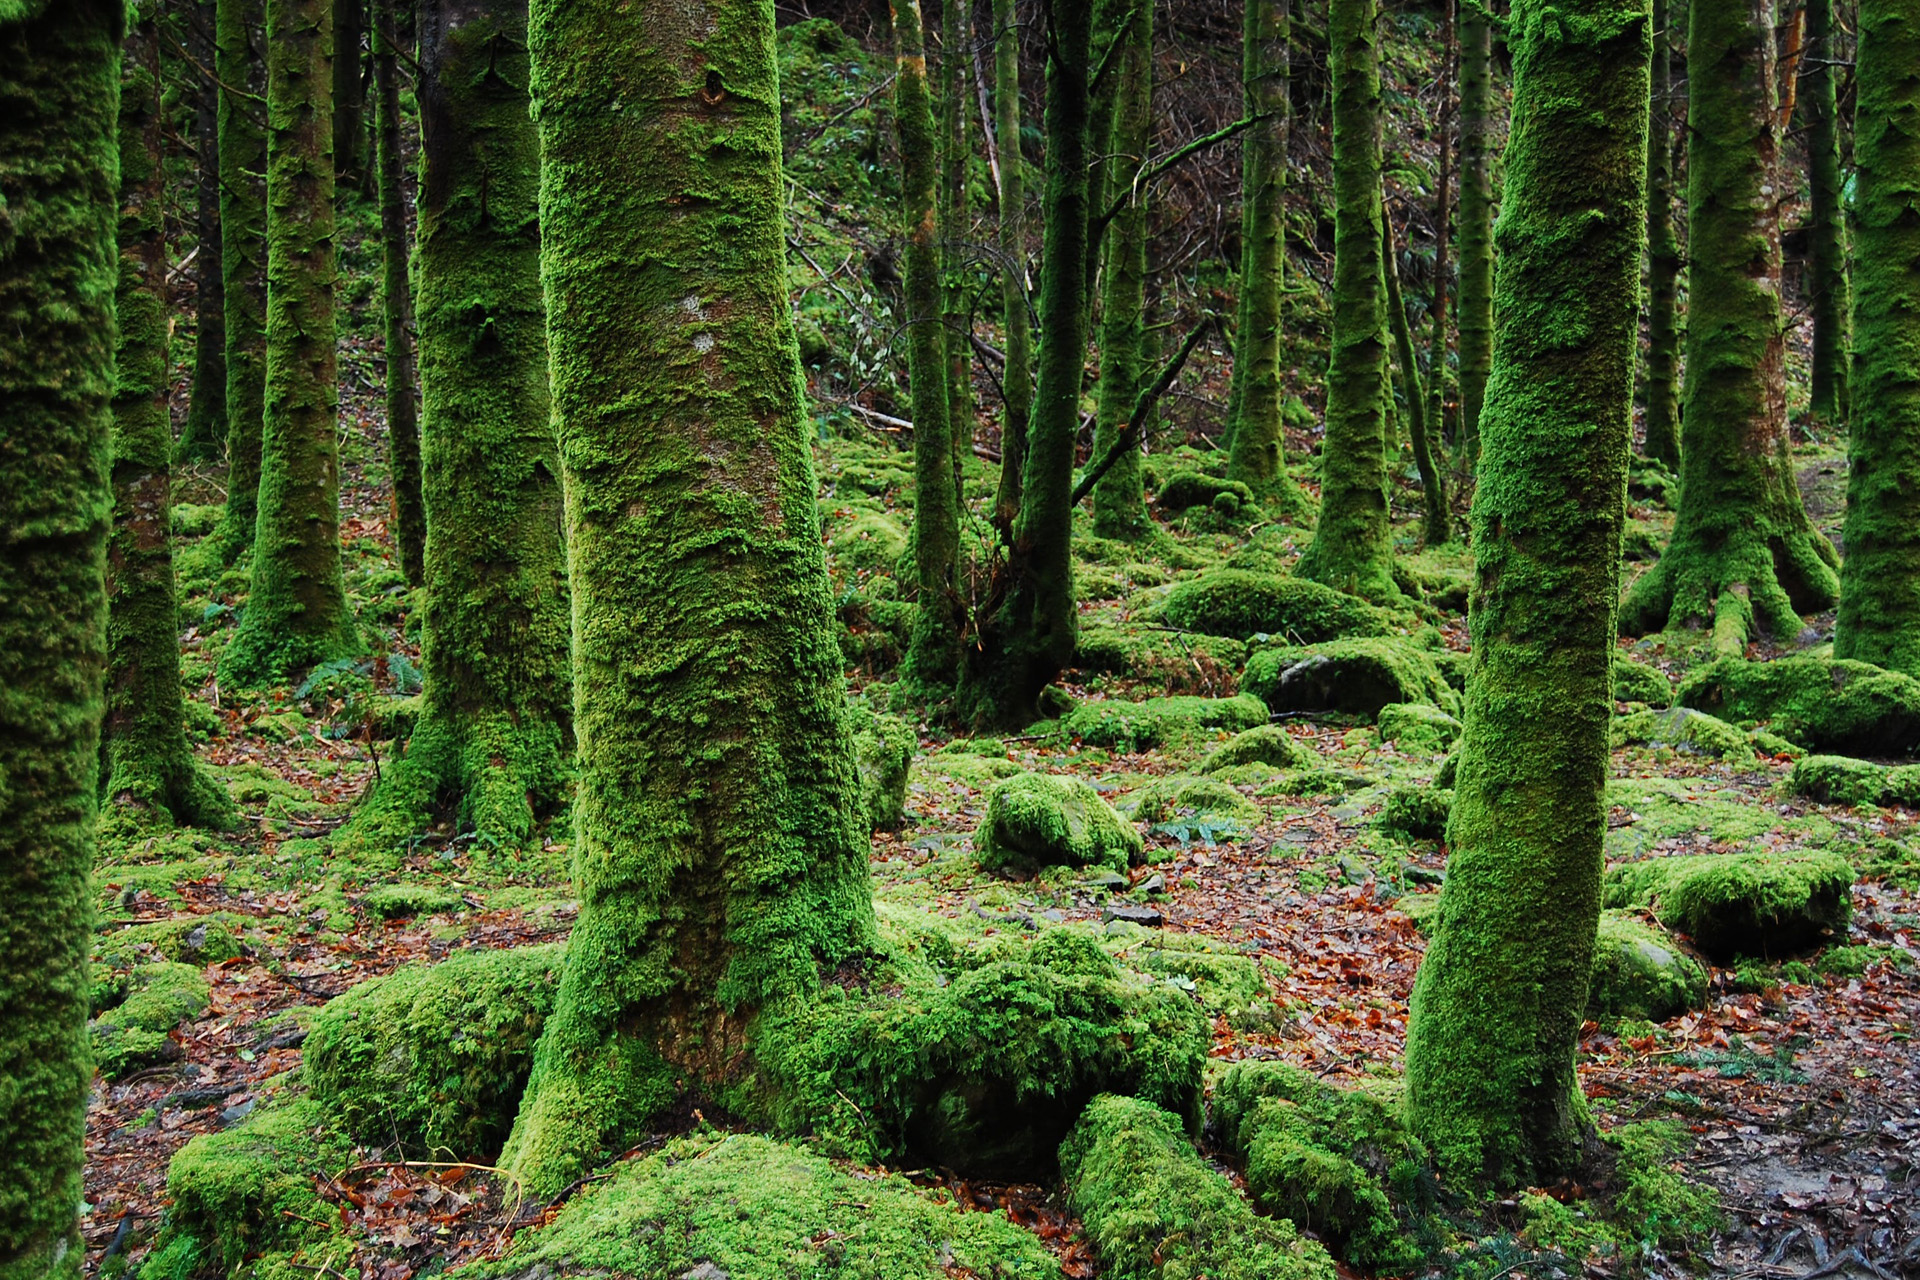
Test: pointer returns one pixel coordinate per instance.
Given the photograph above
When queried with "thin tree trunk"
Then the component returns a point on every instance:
(403, 416)
(1120, 500)
(243, 258)
(1827, 259)
(1663, 255)
(1442, 266)
(1476, 223)
(204, 435)
(1433, 497)
(956, 323)
(1016, 378)
(349, 92)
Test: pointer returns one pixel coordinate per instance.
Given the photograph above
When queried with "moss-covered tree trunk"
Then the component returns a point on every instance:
(933, 653)
(146, 762)
(204, 434)
(1880, 581)
(349, 91)
(1827, 238)
(720, 855)
(1120, 500)
(1433, 495)
(59, 185)
(1255, 454)
(1743, 553)
(1663, 255)
(1475, 323)
(1029, 625)
(497, 705)
(1437, 373)
(1497, 1005)
(1017, 377)
(955, 308)
(296, 611)
(241, 66)
(1352, 548)
(403, 415)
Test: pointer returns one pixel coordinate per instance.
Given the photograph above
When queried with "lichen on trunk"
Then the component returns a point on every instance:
(1827, 282)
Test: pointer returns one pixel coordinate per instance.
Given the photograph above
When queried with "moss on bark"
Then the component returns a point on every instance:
(1880, 595)
(204, 434)
(1498, 1002)
(1477, 145)
(1433, 494)
(720, 853)
(1827, 282)
(296, 612)
(1120, 499)
(349, 97)
(403, 417)
(243, 258)
(956, 323)
(1743, 555)
(1663, 254)
(59, 183)
(1016, 378)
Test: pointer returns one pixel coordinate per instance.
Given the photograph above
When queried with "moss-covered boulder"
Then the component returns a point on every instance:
(1683, 729)
(1184, 490)
(882, 750)
(871, 540)
(1355, 676)
(1843, 780)
(434, 1057)
(1639, 972)
(1635, 681)
(1156, 1211)
(1823, 704)
(1741, 904)
(136, 1032)
(1161, 722)
(195, 940)
(1269, 744)
(1416, 813)
(1417, 728)
(1181, 663)
(1226, 982)
(1239, 603)
(404, 901)
(1181, 798)
(1039, 820)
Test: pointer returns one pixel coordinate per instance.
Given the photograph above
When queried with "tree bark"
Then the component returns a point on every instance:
(1663, 254)
(204, 435)
(243, 258)
(1827, 256)
(349, 92)
(1443, 235)
(1433, 497)
(1016, 378)
(956, 323)
(1476, 223)
(403, 415)
(1120, 499)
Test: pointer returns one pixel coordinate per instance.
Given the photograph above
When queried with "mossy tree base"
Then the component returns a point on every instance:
(1736, 583)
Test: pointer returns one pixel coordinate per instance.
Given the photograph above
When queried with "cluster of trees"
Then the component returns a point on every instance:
(590, 168)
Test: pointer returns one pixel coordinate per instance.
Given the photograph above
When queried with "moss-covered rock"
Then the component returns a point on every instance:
(1843, 780)
(1180, 662)
(194, 940)
(404, 901)
(1416, 813)
(1235, 602)
(1639, 972)
(882, 751)
(1823, 704)
(1155, 1210)
(1044, 820)
(1417, 728)
(872, 540)
(1184, 798)
(158, 997)
(1635, 681)
(1183, 490)
(1226, 982)
(435, 1057)
(1330, 781)
(1269, 744)
(1741, 904)
(1684, 729)
(1356, 676)
(1161, 722)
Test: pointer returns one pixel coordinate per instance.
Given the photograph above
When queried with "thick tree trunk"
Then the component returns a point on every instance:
(933, 654)
(296, 600)
(349, 92)
(1476, 223)
(956, 321)
(1880, 580)
(1663, 254)
(146, 762)
(1433, 496)
(1499, 999)
(720, 852)
(1030, 624)
(1016, 378)
(1352, 548)
(204, 434)
(59, 90)
(243, 257)
(1743, 553)
(1120, 500)
(403, 416)
(1827, 256)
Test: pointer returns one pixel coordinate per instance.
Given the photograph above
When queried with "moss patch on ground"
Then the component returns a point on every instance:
(1161, 722)
(1757, 903)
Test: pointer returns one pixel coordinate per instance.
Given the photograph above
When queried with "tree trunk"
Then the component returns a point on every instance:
(933, 653)
(1443, 234)
(1827, 257)
(349, 92)
(1743, 553)
(1476, 223)
(296, 611)
(205, 433)
(1433, 496)
(146, 761)
(1352, 548)
(1120, 500)
(1880, 580)
(403, 417)
(1663, 254)
(720, 851)
(1016, 378)
(243, 258)
(59, 89)
(1498, 1002)
(956, 322)
(1030, 623)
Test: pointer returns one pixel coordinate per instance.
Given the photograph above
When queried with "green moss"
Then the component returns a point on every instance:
(1417, 727)
(1318, 782)
(1173, 660)
(1638, 972)
(1182, 490)
(1637, 682)
(1416, 813)
(882, 749)
(1235, 602)
(243, 260)
(1752, 904)
(1227, 983)
(403, 901)
(1155, 1210)
(1355, 676)
(1039, 820)
(195, 940)
(1823, 704)
(1847, 781)
(1269, 744)
(1692, 732)
(1183, 800)
(1661, 810)
(1655, 1202)
(871, 541)
(1161, 722)
(135, 1033)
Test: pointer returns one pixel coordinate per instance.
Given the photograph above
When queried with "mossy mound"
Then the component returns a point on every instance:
(404, 901)
(1182, 798)
(1184, 490)
(1322, 1157)
(434, 1058)
(1638, 682)
(1268, 744)
(1639, 972)
(1847, 781)
(1331, 781)
(195, 940)
(1823, 704)
(751, 1208)
(882, 751)
(1235, 602)
(155, 999)
(1741, 904)
(1227, 983)
(1355, 676)
(1048, 820)
(1180, 662)
(1416, 813)
(1160, 722)
(1156, 1211)
(981, 1063)
(872, 540)
(1417, 728)
(1683, 729)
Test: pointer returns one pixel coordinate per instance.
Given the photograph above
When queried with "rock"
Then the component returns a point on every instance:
(1104, 879)
(1184, 489)
(1417, 813)
(1846, 781)
(1684, 729)
(1157, 722)
(1155, 883)
(1195, 801)
(1418, 727)
(1237, 603)
(135, 1033)
(399, 901)
(1268, 744)
(1355, 676)
(1638, 971)
(705, 1271)
(1041, 820)
(1145, 917)
(1741, 904)
(1823, 704)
